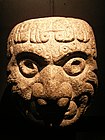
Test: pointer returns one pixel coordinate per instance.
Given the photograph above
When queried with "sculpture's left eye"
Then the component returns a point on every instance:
(74, 66)
(28, 68)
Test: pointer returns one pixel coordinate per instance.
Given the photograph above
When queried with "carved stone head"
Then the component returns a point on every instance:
(52, 67)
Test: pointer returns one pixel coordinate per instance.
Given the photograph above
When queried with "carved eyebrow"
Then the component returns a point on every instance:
(68, 56)
(41, 61)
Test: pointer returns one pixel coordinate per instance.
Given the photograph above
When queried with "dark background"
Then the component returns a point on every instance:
(93, 11)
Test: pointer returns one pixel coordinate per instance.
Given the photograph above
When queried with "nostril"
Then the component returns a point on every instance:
(62, 102)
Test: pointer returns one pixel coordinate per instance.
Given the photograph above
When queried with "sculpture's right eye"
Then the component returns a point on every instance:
(28, 68)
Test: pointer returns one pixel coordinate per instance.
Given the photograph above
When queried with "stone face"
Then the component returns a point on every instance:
(52, 65)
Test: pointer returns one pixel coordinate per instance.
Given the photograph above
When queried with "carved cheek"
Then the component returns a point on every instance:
(83, 78)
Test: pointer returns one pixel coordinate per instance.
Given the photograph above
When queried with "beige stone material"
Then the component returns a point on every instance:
(52, 66)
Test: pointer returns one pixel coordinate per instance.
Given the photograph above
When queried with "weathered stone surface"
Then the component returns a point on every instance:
(52, 66)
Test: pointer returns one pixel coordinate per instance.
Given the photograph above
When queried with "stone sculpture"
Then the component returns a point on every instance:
(52, 67)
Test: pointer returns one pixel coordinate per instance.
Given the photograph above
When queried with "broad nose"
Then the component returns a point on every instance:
(54, 84)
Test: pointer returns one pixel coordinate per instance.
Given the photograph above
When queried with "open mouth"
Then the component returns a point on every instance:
(54, 112)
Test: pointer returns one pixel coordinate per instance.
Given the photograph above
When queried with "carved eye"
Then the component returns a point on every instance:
(28, 68)
(74, 66)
